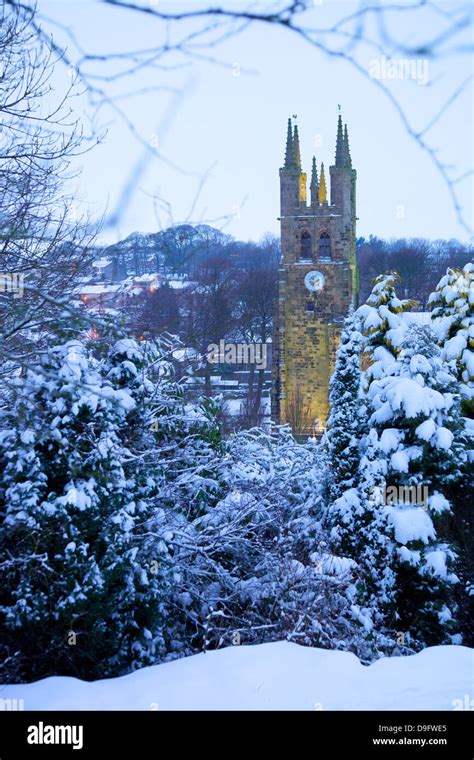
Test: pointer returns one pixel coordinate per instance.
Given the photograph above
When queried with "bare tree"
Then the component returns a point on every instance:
(158, 312)
(42, 245)
(195, 33)
(209, 306)
(419, 262)
(298, 414)
(411, 261)
(257, 291)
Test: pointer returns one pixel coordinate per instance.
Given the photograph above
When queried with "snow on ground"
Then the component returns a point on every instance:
(273, 676)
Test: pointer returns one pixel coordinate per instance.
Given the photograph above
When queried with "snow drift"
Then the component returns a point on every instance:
(274, 676)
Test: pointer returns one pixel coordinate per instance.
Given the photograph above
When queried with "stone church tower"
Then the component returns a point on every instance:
(317, 282)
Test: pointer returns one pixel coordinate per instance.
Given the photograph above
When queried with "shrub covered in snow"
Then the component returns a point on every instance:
(453, 321)
(78, 595)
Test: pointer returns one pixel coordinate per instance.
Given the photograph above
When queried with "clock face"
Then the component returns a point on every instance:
(314, 281)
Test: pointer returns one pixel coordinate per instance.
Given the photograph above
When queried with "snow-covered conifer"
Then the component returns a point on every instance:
(345, 423)
(453, 322)
(79, 596)
(412, 461)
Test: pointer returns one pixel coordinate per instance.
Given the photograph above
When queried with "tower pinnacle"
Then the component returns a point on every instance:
(314, 184)
(296, 144)
(322, 194)
(289, 153)
(347, 153)
(339, 143)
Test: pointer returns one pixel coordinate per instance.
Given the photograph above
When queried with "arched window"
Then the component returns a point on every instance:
(324, 246)
(305, 248)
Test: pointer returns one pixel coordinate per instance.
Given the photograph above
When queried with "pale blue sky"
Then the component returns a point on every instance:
(230, 121)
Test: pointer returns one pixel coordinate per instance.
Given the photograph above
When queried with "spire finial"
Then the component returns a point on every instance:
(322, 194)
(314, 183)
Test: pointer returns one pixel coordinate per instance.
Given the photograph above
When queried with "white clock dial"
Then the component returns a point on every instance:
(314, 281)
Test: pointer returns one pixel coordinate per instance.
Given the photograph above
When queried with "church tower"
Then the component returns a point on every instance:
(317, 282)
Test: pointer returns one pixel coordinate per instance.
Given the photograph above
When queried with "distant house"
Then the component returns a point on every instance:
(112, 269)
(141, 284)
(147, 282)
(103, 269)
(103, 295)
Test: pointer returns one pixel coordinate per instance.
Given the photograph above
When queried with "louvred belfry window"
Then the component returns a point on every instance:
(305, 247)
(324, 246)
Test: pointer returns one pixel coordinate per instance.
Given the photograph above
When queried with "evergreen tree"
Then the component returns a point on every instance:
(357, 523)
(78, 596)
(175, 449)
(346, 413)
(414, 439)
(411, 465)
(453, 321)
(383, 325)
